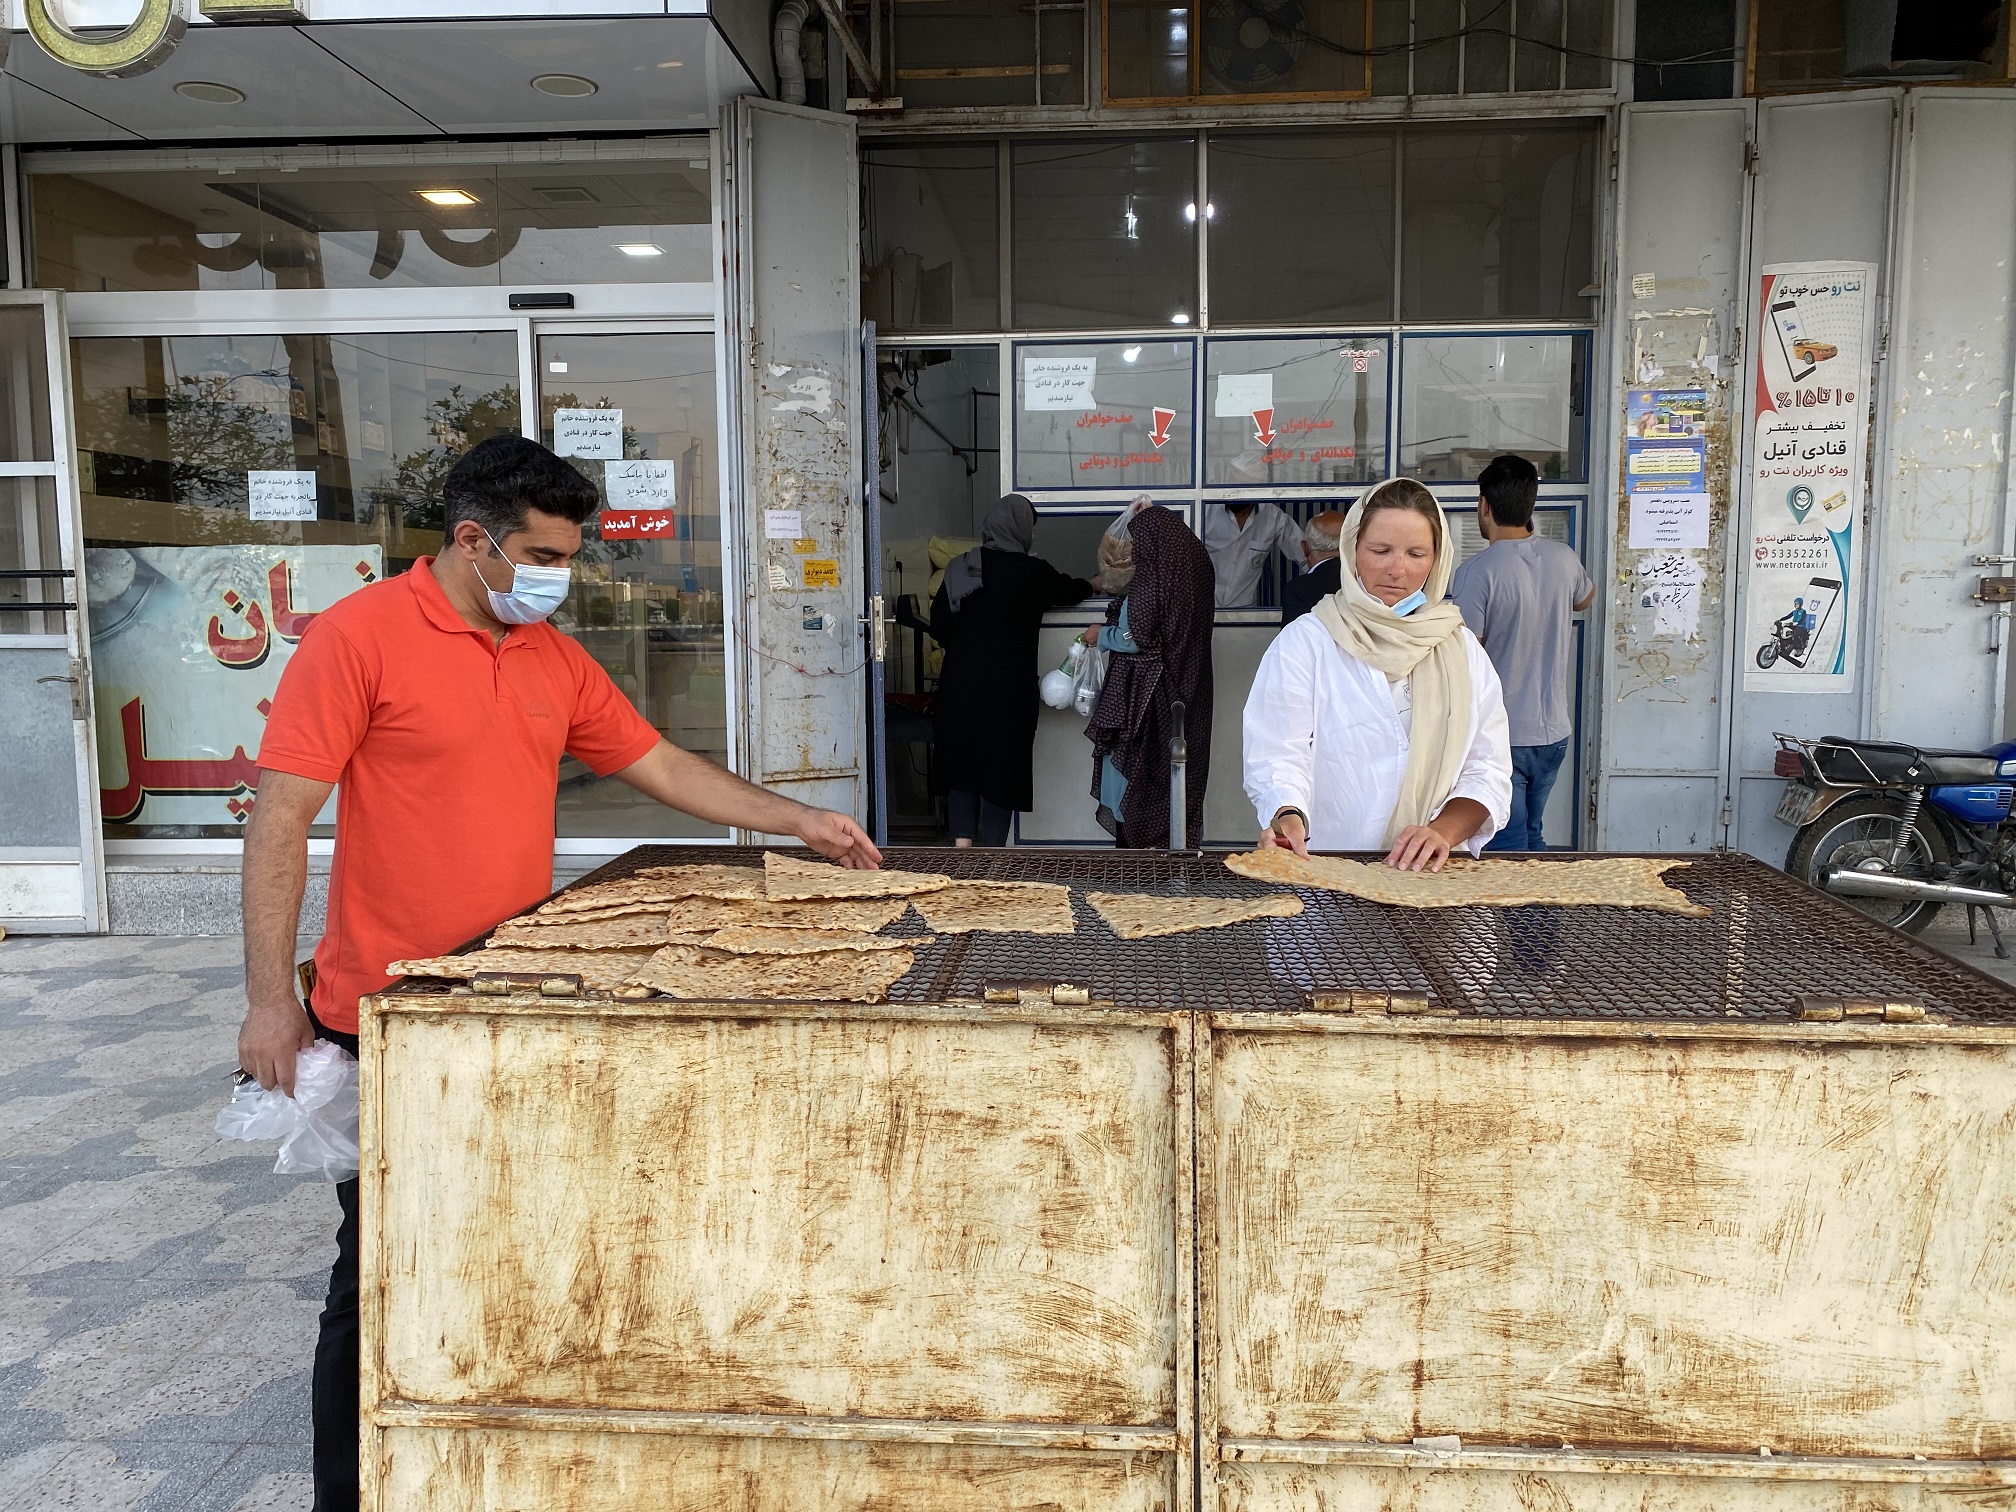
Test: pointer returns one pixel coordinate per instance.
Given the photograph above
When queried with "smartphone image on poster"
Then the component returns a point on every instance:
(1785, 321)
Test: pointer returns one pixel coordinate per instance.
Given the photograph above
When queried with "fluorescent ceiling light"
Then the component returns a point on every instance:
(556, 367)
(640, 249)
(673, 63)
(446, 196)
(1179, 318)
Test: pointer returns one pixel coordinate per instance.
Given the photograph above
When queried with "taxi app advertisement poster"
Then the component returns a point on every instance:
(187, 646)
(1809, 446)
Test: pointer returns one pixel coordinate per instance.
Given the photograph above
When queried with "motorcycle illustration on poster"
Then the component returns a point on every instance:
(1809, 438)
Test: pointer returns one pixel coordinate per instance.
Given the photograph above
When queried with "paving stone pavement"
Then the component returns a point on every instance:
(159, 1287)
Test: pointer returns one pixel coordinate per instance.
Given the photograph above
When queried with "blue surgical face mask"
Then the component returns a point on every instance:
(535, 591)
(1409, 604)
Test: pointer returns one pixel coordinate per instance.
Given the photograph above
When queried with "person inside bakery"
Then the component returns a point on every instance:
(1376, 722)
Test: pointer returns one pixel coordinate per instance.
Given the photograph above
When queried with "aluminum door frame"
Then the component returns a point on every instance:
(61, 468)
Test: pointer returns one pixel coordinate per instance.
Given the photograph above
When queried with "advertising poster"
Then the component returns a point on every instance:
(1809, 446)
(188, 643)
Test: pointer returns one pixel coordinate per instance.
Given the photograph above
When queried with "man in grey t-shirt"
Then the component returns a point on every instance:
(1519, 596)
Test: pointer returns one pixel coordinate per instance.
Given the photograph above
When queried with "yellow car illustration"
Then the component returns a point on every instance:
(1814, 351)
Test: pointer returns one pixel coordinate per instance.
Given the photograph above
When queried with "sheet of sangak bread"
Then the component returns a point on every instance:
(998, 907)
(789, 876)
(862, 915)
(660, 885)
(746, 939)
(565, 931)
(599, 970)
(1599, 882)
(1139, 916)
(831, 976)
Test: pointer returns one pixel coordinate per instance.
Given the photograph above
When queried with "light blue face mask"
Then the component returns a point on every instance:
(535, 591)
(1409, 604)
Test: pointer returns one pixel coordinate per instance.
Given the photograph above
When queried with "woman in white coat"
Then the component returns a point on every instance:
(1377, 722)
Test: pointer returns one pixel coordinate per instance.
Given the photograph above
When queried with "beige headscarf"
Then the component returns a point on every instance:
(1426, 645)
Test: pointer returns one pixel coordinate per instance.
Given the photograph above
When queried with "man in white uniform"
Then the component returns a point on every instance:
(1242, 539)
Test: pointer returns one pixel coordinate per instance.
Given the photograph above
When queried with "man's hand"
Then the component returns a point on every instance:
(1287, 832)
(1419, 847)
(272, 1035)
(837, 838)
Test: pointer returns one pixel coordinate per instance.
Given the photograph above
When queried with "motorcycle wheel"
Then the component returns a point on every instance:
(1766, 655)
(1864, 828)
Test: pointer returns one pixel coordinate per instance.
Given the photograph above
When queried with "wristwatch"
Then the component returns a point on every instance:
(1274, 824)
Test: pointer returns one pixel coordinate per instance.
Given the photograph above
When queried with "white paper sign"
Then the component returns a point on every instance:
(590, 433)
(1675, 520)
(783, 524)
(1670, 586)
(1239, 394)
(281, 495)
(638, 484)
(1058, 383)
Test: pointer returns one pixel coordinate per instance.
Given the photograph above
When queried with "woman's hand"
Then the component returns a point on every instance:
(1419, 847)
(1288, 832)
(1089, 636)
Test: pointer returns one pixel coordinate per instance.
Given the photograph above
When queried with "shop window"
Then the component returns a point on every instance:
(1105, 233)
(989, 52)
(1466, 399)
(29, 543)
(232, 487)
(931, 237)
(1104, 414)
(1815, 44)
(1157, 52)
(402, 225)
(1499, 223)
(1293, 413)
(636, 415)
(1069, 539)
(1301, 227)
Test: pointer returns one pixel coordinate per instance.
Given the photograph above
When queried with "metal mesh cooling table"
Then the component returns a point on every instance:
(1768, 940)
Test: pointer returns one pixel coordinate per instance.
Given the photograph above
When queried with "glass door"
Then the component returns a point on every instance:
(635, 411)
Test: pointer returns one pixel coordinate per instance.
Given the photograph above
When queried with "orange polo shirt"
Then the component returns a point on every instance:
(445, 747)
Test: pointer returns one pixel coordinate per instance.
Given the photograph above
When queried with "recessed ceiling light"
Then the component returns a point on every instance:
(640, 249)
(1130, 354)
(567, 86)
(210, 94)
(564, 194)
(556, 367)
(1179, 318)
(446, 196)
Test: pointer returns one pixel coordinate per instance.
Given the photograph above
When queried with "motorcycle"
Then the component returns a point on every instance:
(1900, 831)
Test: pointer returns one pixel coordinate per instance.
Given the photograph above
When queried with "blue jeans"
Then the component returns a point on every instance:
(1534, 769)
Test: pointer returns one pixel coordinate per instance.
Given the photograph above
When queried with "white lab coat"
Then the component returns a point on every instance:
(1322, 735)
(1239, 554)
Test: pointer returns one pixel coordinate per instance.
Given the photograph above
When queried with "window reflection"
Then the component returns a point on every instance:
(382, 226)
(1106, 233)
(1466, 399)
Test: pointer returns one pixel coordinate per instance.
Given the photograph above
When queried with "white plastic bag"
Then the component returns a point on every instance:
(1060, 684)
(316, 1127)
(1088, 679)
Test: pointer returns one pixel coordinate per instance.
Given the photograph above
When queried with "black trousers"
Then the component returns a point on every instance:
(974, 818)
(337, 1376)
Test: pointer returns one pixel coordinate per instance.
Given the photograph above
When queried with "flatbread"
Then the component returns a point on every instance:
(599, 970)
(788, 876)
(863, 915)
(1140, 916)
(564, 932)
(1600, 882)
(587, 915)
(661, 884)
(1042, 908)
(743, 939)
(831, 976)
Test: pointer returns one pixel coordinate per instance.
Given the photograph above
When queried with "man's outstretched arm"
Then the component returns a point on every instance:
(276, 1027)
(694, 785)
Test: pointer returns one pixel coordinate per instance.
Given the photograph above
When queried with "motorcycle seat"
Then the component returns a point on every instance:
(1840, 759)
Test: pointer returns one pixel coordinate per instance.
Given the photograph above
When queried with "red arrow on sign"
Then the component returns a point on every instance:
(1263, 426)
(1163, 420)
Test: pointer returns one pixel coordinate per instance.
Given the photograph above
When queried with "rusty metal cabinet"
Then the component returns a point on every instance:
(651, 1254)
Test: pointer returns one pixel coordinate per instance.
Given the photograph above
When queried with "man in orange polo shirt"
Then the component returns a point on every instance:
(438, 705)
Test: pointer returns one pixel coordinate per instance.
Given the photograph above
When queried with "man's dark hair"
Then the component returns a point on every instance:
(1510, 485)
(503, 477)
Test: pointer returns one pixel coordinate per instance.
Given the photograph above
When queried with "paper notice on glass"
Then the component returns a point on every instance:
(638, 484)
(595, 434)
(1058, 383)
(783, 524)
(1669, 585)
(1676, 521)
(1239, 394)
(280, 495)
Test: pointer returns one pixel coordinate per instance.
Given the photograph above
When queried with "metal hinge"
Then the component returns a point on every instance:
(1376, 1004)
(1751, 157)
(1813, 1008)
(877, 621)
(1028, 991)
